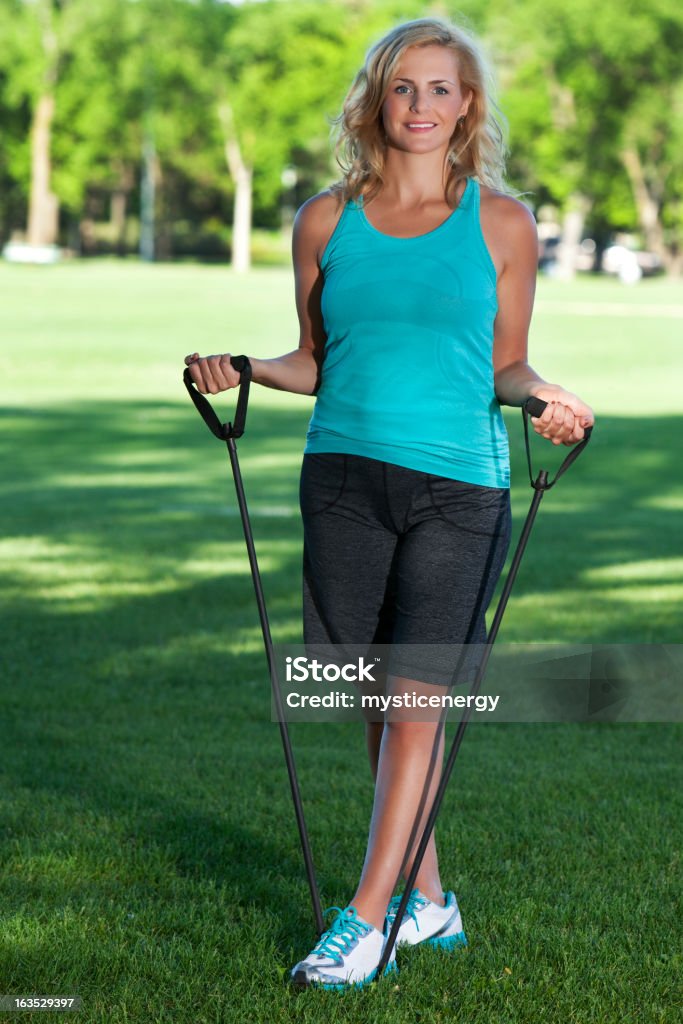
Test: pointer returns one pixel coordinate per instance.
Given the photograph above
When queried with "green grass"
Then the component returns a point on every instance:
(149, 860)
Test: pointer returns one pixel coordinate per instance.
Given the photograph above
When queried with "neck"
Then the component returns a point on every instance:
(414, 179)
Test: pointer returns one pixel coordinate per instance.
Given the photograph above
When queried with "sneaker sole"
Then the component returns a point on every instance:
(301, 981)
(448, 941)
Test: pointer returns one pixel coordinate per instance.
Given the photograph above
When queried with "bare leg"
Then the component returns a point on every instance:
(408, 768)
(427, 879)
(373, 739)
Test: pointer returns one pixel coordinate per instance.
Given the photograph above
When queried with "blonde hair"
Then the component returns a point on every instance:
(477, 147)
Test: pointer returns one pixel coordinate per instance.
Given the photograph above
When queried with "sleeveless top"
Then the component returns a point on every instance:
(407, 373)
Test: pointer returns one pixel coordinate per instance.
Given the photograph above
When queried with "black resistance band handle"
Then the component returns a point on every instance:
(536, 407)
(223, 431)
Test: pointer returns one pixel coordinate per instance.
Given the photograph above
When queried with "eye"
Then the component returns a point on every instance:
(439, 89)
(400, 88)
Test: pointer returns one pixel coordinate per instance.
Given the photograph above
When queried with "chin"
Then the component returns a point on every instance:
(420, 143)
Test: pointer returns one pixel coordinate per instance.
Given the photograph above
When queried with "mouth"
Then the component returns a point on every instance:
(420, 126)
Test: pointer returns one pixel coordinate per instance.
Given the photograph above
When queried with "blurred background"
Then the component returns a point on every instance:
(194, 128)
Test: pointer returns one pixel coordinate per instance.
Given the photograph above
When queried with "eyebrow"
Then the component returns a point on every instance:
(434, 81)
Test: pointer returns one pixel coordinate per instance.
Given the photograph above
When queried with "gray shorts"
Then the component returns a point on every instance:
(401, 557)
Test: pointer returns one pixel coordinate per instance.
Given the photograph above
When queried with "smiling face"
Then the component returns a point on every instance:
(424, 101)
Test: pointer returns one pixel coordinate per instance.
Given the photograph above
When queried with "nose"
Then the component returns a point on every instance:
(420, 101)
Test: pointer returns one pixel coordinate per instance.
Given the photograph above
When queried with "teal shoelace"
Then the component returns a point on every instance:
(345, 929)
(415, 903)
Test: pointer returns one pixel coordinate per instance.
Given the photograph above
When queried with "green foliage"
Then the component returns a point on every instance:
(579, 81)
(137, 69)
(287, 67)
(18, 77)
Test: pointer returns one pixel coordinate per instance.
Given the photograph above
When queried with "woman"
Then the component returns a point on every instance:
(415, 280)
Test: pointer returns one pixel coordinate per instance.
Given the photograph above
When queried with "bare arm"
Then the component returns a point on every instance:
(564, 420)
(297, 371)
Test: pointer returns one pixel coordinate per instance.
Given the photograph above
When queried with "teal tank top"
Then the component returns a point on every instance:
(407, 372)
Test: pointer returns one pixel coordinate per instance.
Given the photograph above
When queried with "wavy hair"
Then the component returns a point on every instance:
(477, 147)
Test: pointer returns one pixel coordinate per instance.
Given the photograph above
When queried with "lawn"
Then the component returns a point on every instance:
(149, 860)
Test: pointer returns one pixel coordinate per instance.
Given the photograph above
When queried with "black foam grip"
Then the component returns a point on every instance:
(223, 430)
(535, 406)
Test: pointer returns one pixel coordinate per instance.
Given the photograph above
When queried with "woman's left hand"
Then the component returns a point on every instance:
(565, 418)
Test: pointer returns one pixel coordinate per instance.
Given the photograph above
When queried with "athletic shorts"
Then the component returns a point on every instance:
(395, 556)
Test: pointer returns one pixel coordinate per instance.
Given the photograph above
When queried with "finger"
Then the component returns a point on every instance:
(540, 423)
(584, 414)
(195, 373)
(583, 419)
(560, 414)
(192, 358)
(206, 371)
(231, 375)
(203, 375)
(576, 435)
(223, 375)
(549, 421)
(548, 413)
(567, 427)
(561, 424)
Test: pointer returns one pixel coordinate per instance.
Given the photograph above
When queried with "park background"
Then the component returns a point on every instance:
(149, 861)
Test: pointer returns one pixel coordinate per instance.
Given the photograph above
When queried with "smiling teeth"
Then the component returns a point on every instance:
(421, 124)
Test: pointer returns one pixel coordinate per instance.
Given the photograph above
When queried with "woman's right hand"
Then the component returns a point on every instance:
(212, 374)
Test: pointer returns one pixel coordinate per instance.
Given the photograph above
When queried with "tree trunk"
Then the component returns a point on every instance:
(647, 207)
(148, 196)
(86, 235)
(572, 230)
(43, 204)
(241, 222)
(242, 174)
(43, 209)
(119, 206)
(117, 217)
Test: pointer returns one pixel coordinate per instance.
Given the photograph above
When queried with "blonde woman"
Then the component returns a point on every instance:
(415, 280)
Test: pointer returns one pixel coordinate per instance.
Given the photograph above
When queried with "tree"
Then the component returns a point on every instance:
(581, 81)
(137, 91)
(33, 34)
(285, 67)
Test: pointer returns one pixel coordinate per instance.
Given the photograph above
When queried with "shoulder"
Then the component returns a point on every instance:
(316, 220)
(509, 228)
(506, 214)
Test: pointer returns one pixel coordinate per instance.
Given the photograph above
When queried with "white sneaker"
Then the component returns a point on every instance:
(425, 921)
(348, 953)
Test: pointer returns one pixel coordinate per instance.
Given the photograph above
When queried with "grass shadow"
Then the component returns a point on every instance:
(134, 683)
